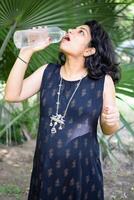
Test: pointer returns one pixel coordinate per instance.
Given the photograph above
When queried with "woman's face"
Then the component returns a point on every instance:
(76, 41)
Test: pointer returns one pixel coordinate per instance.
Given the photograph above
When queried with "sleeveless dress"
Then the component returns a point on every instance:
(66, 165)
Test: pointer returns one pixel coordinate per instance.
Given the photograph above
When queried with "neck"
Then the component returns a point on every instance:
(74, 67)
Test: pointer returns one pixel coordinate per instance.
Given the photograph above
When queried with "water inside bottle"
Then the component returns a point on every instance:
(34, 37)
(56, 37)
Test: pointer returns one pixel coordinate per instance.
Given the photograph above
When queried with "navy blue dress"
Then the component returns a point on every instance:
(66, 166)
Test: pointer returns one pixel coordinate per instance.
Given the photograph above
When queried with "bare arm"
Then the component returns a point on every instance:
(15, 79)
(18, 89)
(109, 119)
(30, 86)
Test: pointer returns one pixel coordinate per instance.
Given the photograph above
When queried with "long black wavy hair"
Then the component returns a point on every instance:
(104, 61)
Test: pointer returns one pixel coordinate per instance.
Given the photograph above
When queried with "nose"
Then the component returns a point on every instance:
(70, 30)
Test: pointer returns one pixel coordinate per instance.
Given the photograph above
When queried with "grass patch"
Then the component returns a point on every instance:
(11, 190)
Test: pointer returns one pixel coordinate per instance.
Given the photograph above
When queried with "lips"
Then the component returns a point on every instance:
(67, 37)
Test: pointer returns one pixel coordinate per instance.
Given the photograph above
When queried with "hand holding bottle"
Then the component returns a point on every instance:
(38, 47)
(38, 37)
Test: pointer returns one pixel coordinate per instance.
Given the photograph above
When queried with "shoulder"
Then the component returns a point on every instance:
(108, 79)
(109, 87)
(48, 67)
(108, 83)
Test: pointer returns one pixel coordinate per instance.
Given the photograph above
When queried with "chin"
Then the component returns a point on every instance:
(66, 50)
(71, 50)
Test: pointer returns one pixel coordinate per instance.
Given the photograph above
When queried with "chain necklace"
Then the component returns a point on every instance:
(59, 118)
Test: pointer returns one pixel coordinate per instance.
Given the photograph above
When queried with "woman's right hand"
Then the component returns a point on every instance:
(38, 47)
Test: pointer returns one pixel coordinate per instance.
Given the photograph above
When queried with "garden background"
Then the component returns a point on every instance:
(19, 121)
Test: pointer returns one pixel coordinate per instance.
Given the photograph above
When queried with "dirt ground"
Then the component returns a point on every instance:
(16, 165)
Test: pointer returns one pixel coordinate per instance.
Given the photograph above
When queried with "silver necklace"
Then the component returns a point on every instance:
(59, 118)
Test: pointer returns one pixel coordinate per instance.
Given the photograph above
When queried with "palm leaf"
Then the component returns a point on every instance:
(126, 85)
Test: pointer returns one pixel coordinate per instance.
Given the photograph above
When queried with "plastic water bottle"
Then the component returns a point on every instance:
(35, 36)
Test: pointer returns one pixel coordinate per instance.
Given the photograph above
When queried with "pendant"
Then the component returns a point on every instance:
(56, 119)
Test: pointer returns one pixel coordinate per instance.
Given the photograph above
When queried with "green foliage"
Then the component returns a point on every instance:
(17, 123)
(11, 189)
(126, 85)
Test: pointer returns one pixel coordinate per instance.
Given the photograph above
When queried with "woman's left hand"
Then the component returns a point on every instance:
(110, 115)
